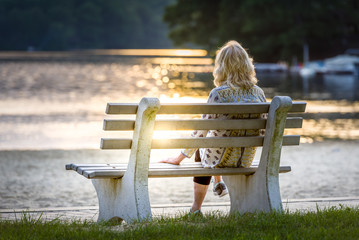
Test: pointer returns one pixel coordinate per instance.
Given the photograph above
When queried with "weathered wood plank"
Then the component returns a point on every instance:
(80, 168)
(69, 166)
(121, 108)
(124, 165)
(219, 108)
(204, 142)
(116, 143)
(201, 108)
(178, 172)
(121, 167)
(118, 125)
(199, 124)
(294, 122)
(215, 142)
(198, 172)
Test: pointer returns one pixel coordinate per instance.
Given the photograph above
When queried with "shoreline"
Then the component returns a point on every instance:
(90, 213)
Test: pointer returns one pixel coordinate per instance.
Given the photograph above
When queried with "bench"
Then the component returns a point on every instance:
(122, 189)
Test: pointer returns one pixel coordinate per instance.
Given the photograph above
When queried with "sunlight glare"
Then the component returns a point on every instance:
(183, 61)
(152, 52)
(165, 79)
(177, 99)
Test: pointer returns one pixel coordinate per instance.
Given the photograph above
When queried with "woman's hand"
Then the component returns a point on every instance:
(174, 160)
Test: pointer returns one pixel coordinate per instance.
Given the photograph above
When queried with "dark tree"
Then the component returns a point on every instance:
(82, 24)
(271, 29)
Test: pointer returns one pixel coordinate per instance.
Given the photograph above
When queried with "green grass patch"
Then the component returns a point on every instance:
(332, 223)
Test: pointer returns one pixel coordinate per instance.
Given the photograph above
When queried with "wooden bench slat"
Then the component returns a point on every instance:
(80, 168)
(124, 166)
(298, 107)
(198, 172)
(121, 167)
(115, 143)
(104, 174)
(118, 125)
(199, 124)
(215, 142)
(200, 108)
(218, 108)
(73, 166)
(121, 108)
(294, 122)
(177, 172)
(155, 165)
(69, 166)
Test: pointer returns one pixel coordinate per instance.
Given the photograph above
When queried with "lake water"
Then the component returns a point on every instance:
(51, 113)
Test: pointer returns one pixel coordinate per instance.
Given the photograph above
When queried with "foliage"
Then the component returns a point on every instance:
(80, 24)
(271, 29)
(333, 223)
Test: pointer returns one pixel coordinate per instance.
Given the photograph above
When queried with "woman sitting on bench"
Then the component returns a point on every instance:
(235, 81)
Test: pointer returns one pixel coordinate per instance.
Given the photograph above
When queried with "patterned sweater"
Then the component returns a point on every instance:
(228, 157)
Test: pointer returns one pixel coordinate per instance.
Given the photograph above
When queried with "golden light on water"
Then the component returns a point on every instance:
(183, 61)
(183, 77)
(152, 52)
(184, 53)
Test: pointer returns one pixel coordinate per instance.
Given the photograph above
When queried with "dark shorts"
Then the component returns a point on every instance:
(201, 180)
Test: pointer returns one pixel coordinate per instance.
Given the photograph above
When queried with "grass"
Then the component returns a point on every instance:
(332, 223)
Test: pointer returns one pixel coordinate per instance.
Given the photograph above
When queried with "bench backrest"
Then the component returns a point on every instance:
(172, 124)
(146, 122)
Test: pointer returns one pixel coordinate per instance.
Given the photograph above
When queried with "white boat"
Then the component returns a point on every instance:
(342, 64)
(312, 69)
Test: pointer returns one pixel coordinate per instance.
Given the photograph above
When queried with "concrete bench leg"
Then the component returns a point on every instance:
(128, 198)
(118, 201)
(260, 191)
(253, 193)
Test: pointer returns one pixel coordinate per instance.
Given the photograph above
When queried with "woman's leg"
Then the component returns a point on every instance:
(217, 179)
(200, 191)
(200, 187)
(201, 180)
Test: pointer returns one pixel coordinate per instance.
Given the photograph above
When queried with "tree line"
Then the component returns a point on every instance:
(271, 29)
(82, 24)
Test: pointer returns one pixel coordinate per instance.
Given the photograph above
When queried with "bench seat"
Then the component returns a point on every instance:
(162, 170)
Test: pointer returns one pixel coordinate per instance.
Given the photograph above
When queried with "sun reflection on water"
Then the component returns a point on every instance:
(70, 96)
(152, 52)
(183, 61)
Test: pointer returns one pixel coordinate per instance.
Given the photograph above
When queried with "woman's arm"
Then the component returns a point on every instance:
(174, 160)
(188, 152)
(213, 98)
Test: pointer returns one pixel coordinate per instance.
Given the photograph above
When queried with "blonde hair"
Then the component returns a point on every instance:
(234, 67)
